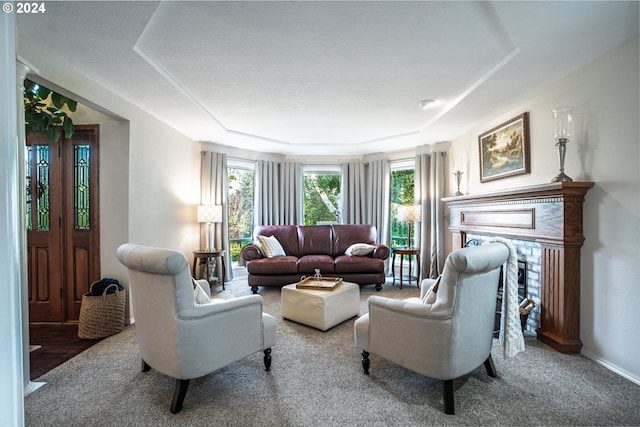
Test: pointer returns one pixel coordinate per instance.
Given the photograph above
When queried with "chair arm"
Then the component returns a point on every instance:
(218, 306)
(411, 307)
(251, 251)
(381, 251)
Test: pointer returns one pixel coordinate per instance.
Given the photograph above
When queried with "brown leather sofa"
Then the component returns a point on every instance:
(316, 246)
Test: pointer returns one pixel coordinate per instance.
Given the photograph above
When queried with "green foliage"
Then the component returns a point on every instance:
(240, 203)
(402, 193)
(47, 118)
(321, 198)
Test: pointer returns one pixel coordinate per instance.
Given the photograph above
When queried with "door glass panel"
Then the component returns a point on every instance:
(27, 167)
(81, 187)
(38, 186)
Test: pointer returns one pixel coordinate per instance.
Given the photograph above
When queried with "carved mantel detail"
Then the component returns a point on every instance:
(550, 214)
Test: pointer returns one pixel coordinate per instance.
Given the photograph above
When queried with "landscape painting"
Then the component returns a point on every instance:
(504, 150)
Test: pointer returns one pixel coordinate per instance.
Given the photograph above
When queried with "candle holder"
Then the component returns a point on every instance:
(562, 122)
(458, 175)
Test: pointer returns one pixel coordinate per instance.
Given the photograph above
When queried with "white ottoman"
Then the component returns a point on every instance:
(321, 309)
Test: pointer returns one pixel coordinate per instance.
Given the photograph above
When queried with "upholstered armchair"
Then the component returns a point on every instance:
(181, 338)
(442, 335)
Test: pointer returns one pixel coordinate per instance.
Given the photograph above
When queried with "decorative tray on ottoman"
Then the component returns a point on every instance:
(322, 284)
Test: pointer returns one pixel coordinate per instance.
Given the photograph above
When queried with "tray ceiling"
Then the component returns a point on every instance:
(327, 77)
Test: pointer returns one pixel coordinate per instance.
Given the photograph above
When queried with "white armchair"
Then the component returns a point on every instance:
(178, 336)
(447, 336)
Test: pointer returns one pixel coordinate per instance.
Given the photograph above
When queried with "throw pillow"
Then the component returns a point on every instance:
(430, 296)
(271, 247)
(200, 294)
(359, 249)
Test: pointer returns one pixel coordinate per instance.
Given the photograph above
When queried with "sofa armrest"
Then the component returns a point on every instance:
(251, 251)
(381, 251)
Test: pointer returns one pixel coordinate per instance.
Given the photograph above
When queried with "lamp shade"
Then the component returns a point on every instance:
(409, 213)
(209, 213)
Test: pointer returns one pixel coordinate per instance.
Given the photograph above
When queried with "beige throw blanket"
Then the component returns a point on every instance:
(510, 328)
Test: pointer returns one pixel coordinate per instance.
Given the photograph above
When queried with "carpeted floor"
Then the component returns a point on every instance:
(317, 379)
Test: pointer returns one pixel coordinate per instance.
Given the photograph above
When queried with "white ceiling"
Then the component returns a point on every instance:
(341, 77)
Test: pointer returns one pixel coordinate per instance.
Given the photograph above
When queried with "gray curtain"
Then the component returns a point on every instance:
(429, 190)
(214, 191)
(278, 193)
(352, 193)
(378, 187)
(377, 200)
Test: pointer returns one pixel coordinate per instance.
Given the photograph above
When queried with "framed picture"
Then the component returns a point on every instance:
(504, 150)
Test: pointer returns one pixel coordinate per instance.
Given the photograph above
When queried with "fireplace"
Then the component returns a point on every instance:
(547, 217)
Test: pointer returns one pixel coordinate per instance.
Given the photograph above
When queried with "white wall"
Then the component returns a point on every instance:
(606, 95)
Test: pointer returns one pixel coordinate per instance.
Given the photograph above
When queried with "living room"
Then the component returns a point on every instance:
(150, 179)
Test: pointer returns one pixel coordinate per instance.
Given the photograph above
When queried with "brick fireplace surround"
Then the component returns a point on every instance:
(548, 215)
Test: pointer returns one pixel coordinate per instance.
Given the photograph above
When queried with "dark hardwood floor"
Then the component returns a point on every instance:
(59, 343)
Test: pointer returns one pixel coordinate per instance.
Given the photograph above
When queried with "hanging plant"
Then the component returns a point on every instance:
(46, 117)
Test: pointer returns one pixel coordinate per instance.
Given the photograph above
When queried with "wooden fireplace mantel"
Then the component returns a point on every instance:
(550, 214)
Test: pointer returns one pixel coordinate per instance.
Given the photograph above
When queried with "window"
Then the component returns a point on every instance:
(321, 198)
(240, 203)
(402, 186)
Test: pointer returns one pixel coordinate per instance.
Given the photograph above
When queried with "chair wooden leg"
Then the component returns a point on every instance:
(365, 362)
(145, 366)
(267, 359)
(490, 367)
(447, 395)
(178, 395)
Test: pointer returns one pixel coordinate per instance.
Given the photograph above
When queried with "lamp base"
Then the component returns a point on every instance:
(561, 177)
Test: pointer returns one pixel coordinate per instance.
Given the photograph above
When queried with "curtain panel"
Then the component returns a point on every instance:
(378, 199)
(352, 193)
(278, 193)
(215, 191)
(429, 190)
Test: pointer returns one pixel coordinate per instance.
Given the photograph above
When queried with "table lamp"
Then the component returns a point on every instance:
(409, 214)
(208, 214)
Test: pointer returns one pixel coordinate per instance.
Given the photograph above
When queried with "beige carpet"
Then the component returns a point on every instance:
(317, 380)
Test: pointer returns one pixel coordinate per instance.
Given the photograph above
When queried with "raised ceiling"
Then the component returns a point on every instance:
(342, 77)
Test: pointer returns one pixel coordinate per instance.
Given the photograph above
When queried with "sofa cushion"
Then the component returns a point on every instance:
(358, 264)
(315, 240)
(345, 235)
(359, 249)
(273, 266)
(287, 235)
(270, 246)
(308, 264)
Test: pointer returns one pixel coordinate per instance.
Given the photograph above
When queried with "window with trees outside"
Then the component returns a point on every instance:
(321, 200)
(402, 186)
(240, 205)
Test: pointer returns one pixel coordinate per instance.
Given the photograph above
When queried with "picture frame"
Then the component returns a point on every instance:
(504, 150)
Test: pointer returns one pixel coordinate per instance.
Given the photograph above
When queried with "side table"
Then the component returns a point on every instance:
(205, 255)
(411, 252)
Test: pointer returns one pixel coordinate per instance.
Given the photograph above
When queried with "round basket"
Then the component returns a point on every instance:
(102, 315)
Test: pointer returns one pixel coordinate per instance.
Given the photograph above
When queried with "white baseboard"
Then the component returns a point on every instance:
(610, 366)
(32, 386)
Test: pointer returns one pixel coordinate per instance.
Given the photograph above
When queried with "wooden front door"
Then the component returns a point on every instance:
(62, 223)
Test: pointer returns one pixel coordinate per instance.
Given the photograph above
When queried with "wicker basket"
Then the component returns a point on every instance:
(102, 315)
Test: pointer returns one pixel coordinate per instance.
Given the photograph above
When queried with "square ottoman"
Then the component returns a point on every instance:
(319, 308)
